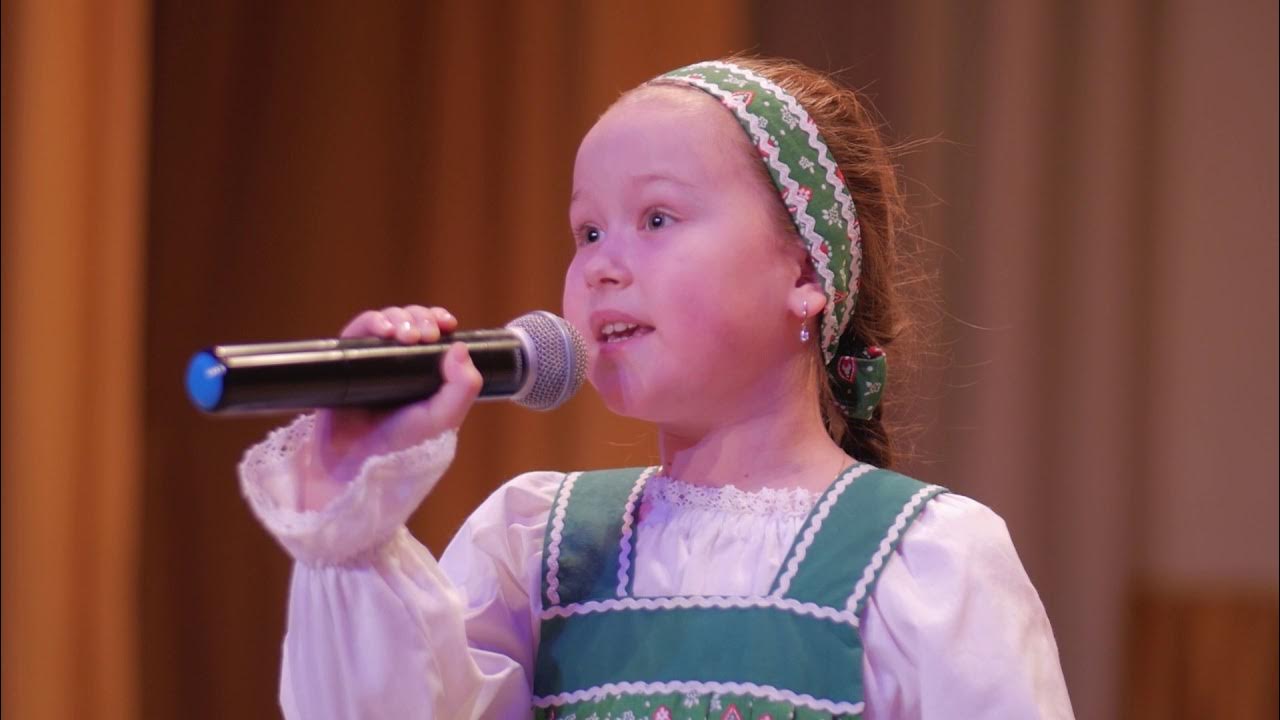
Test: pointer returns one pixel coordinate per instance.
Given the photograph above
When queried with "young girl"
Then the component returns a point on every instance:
(735, 226)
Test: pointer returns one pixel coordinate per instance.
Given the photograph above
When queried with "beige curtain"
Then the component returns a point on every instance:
(1103, 200)
(75, 122)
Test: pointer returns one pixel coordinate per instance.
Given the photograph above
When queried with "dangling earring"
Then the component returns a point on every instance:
(804, 323)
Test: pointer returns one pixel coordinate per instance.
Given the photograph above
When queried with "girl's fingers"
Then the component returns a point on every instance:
(440, 317)
(409, 324)
(426, 322)
(462, 383)
(445, 319)
(349, 436)
(406, 327)
(369, 323)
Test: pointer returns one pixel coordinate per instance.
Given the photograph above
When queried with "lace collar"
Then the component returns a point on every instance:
(729, 499)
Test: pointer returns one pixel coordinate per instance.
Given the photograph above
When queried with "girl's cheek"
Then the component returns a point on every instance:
(571, 298)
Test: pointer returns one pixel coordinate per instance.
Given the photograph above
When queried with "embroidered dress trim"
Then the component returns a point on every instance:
(768, 692)
(628, 515)
(823, 510)
(909, 511)
(806, 655)
(701, 601)
(729, 499)
(557, 537)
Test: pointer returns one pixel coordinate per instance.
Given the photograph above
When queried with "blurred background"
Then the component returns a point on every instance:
(1100, 206)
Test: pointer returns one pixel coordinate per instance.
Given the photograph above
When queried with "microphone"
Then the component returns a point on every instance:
(538, 360)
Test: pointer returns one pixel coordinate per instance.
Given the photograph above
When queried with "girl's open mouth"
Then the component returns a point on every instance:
(620, 332)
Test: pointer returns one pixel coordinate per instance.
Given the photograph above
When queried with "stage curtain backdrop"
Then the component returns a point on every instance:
(1101, 202)
(75, 125)
(178, 175)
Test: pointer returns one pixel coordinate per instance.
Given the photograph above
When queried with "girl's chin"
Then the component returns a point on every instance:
(625, 401)
(620, 404)
(647, 410)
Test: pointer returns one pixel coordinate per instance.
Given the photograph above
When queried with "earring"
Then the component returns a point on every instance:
(804, 323)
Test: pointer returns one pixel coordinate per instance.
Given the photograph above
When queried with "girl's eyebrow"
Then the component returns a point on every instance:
(660, 177)
(645, 179)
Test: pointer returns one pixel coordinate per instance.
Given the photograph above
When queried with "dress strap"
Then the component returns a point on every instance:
(854, 527)
(583, 558)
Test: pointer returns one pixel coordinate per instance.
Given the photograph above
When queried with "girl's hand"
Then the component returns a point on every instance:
(345, 437)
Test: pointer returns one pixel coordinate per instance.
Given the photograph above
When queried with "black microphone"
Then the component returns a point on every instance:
(538, 360)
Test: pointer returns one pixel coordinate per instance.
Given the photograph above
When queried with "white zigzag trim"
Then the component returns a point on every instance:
(847, 211)
(768, 692)
(557, 534)
(624, 552)
(702, 601)
(802, 548)
(803, 220)
(886, 544)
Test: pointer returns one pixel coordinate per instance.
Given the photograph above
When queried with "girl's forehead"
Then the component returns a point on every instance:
(663, 126)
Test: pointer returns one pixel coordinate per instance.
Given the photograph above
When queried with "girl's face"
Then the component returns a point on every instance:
(682, 284)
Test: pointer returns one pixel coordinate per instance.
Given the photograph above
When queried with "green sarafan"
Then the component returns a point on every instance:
(794, 652)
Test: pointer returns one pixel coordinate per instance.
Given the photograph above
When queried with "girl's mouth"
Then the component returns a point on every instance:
(615, 333)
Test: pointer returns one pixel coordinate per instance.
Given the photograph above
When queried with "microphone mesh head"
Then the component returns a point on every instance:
(557, 360)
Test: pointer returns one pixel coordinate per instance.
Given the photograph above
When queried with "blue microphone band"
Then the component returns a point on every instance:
(204, 380)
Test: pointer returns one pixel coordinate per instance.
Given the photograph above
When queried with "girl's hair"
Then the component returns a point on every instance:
(851, 130)
(852, 133)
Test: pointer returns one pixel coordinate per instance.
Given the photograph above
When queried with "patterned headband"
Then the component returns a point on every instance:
(815, 194)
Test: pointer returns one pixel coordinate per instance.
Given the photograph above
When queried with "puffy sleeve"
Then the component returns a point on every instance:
(955, 628)
(376, 626)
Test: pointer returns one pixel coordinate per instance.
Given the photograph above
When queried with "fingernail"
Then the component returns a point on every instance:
(406, 326)
(387, 324)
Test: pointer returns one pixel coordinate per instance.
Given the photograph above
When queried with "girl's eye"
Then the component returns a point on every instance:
(588, 235)
(658, 219)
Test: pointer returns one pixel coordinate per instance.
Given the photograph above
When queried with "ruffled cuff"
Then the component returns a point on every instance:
(356, 523)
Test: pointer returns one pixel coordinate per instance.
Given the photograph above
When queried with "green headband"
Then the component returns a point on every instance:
(814, 191)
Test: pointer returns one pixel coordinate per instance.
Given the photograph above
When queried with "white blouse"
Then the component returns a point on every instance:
(378, 628)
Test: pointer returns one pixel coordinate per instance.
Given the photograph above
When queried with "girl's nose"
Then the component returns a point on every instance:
(605, 267)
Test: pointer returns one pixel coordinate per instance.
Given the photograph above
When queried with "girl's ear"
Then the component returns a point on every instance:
(807, 295)
(807, 300)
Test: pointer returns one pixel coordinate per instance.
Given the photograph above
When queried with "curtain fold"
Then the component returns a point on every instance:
(76, 103)
(1102, 207)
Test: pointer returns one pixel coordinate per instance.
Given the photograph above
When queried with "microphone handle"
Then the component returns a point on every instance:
(306, 374)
